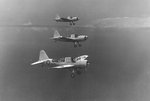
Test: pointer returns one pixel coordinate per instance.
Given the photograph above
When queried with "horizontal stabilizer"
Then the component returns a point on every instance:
(38, 62)
(42, 61)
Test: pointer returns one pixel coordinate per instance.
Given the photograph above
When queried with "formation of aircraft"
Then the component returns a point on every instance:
(69, 19)
(74, 38)
(75, 65)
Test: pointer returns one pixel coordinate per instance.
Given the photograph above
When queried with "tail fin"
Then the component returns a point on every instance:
(69, 17)
(56, 34)
(42, 58)
(57, 17)
(43, 55)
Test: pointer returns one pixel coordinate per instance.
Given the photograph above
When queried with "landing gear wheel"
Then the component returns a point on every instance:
(72, 75)
(80, 45)
(75, 45)
(70, 23)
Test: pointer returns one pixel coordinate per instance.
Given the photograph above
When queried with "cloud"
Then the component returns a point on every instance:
(122, 22)
(28, 23)
(39, 28)
(35, 27)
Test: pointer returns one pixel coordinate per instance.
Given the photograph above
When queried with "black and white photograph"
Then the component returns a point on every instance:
(74, 50)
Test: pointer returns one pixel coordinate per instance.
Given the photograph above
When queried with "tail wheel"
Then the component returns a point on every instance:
(80, 45)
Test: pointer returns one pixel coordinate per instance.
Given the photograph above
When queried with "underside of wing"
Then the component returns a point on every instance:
(63, 66)
(66, 39)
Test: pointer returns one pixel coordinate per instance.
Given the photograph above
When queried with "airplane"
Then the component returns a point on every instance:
(76, 39)
(75, 65)
(69, 19)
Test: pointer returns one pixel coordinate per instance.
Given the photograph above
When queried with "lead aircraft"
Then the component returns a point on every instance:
(69, 19)
(75, 65)
(76, 39)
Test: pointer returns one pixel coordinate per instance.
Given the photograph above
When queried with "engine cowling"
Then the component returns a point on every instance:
(85, 37)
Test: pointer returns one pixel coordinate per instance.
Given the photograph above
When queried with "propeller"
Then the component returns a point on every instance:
(87, 64)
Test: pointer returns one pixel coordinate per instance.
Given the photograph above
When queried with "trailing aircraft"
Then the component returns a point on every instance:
(75, 65)
(69, 19)
(76, 39)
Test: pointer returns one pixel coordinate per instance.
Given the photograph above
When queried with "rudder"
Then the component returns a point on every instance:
(56, 34)
(57, 16)
(43, 55)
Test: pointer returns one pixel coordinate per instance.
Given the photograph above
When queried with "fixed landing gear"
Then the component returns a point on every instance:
(72, 23)
(77, 44)
(77, 72)
(73, 73)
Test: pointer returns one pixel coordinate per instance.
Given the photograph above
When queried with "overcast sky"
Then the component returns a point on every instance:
(119, 58)
(37, 11)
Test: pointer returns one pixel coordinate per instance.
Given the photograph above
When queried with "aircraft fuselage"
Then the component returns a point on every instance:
(78, 64)
(68, 39)
(66, 20)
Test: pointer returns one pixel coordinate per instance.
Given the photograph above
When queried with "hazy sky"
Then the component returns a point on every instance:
(37, 11)
(119, 66)
(119, 58)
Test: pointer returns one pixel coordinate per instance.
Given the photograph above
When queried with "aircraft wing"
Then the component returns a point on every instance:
(63, 66)
(67, 39)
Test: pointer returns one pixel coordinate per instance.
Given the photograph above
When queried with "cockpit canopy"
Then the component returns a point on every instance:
(66, 59)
